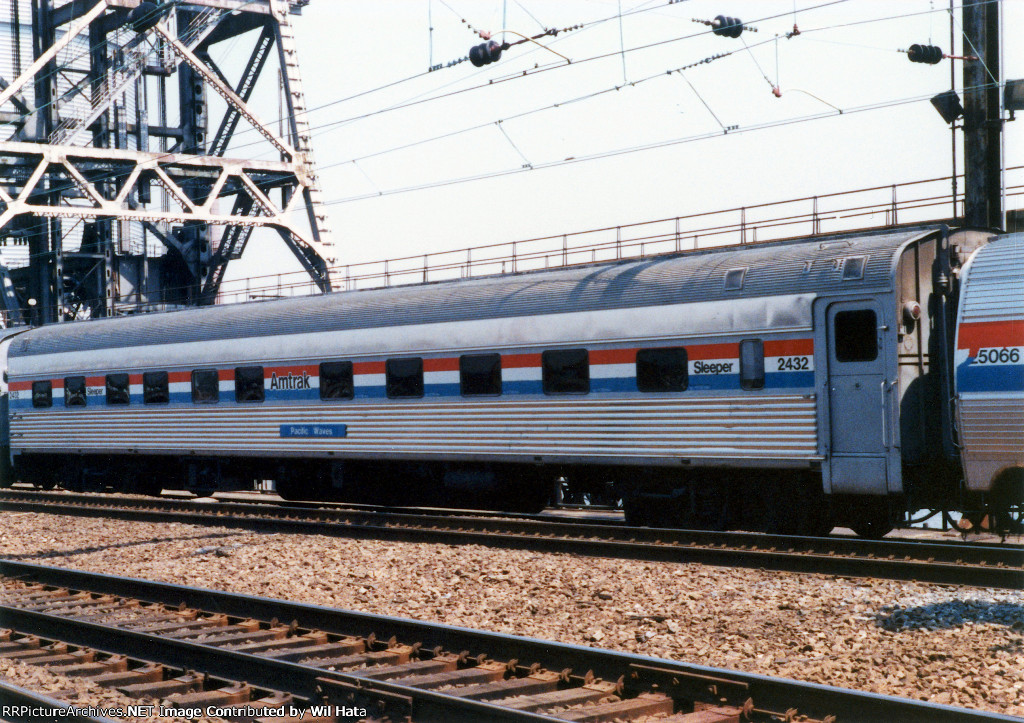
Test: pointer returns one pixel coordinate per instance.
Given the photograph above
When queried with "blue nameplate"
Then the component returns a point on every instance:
(314, 430)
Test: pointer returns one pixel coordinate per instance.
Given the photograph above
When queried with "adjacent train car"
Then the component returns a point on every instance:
(784, 386)
(990, 372)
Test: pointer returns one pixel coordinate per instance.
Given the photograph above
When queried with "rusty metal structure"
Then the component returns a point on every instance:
(119, 187)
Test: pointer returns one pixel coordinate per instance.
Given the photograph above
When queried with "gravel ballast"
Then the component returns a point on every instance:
(946, 644)
(84, 694)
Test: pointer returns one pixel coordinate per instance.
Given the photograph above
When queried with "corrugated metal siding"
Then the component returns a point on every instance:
(990, 398)
(994, 285)
(768, 427)
(994, 425)
(796, 267)
(992, 437)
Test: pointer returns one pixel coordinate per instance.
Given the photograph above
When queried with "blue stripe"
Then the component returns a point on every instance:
(783, 380)
(525, 386)
(989, 378)
(714, 382)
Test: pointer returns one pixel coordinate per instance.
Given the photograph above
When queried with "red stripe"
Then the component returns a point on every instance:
(298, 370)
(984, 334)
(95, 381)
(789, 347)
(441, 365)
(519, 361)
(713, 351)
(178, 377)
(613, 356)
(368, 367)
(20, 386)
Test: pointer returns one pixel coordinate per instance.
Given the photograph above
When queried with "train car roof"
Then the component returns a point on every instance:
(803, 266)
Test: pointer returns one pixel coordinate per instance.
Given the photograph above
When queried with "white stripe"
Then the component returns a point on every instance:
(612, 371)
(521, 374)
(445, 377)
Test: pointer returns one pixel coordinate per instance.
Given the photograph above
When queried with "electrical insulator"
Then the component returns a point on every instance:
(484, 53)
(930, 54)
(727, 27)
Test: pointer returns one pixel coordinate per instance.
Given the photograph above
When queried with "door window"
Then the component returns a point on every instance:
(856, 335)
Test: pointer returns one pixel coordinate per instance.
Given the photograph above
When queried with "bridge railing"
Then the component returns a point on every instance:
(876, 207)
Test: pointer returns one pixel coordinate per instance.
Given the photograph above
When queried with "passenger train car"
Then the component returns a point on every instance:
(785, 386)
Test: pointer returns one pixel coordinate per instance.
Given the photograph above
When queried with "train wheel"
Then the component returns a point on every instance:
(149, 487)
(648, 512)
(870, 517)
(634, 512)
(872, 525)
(528, 501)
(819, 523)
(872, 529)
(709, 509)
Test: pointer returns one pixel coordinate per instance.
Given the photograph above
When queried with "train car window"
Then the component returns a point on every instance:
(566, 371)
(249, 384)
(480, 374)
(664, 369)
(74, 392)
(404, 377)
(752, 364)
(42, 394)
(336, 380)
(117, 389)
(155, 389)
(856, 335)
(205, 386)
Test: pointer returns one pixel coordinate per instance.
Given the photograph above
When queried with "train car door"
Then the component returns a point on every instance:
(861, 427)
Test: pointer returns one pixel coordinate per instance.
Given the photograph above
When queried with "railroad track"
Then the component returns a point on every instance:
(974, 564)
(195, 648)
(20, 705)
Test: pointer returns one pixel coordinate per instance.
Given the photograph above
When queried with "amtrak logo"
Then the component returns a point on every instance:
(291, 381)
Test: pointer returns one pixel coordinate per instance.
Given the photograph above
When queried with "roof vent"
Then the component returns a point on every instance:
(853, 267)
(734, 279)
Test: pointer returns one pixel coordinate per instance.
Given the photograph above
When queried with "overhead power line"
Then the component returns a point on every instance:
(638, 148)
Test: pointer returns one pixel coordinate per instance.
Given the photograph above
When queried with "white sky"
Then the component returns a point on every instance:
(347, 47)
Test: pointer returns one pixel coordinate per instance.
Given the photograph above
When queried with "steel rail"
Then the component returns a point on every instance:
(635, 671)
(21, 705)
(978, 565)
